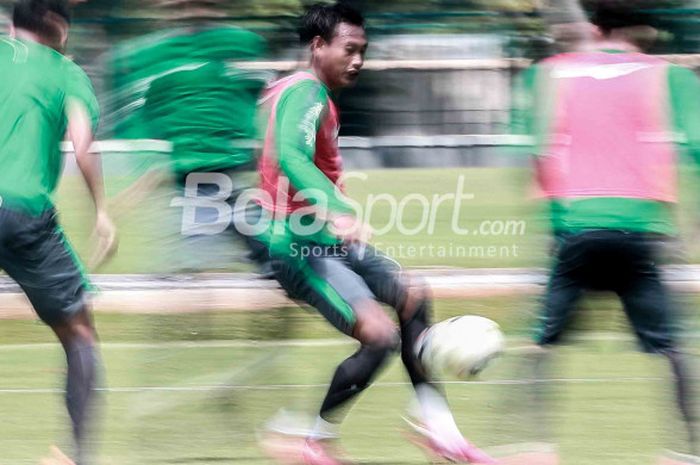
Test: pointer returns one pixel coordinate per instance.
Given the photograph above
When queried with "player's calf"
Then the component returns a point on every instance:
(77, 335)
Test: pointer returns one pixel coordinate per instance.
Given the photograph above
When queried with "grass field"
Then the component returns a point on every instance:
(192, 389)
(499, 195)
(516, 227)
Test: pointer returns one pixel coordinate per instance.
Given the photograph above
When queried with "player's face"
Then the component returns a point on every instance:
(339, 61)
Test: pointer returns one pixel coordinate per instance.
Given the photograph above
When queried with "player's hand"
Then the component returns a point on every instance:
(105, 238)
(351, 229)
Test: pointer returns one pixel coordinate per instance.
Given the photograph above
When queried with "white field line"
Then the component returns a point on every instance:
(237, 344)
(512, 343)
(283, 387)
(151, 401)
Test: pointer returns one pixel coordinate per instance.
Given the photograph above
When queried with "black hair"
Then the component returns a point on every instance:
(322, 20)
(31, 15)
(617, 14)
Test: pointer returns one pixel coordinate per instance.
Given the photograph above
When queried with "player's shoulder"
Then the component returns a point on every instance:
(680, 76)
(7, 44)
(305, 95)
(8, 49)
(29, 51)
(141, 45)
(74, 73)
(71, 66)
(304, 83)
(228, 34)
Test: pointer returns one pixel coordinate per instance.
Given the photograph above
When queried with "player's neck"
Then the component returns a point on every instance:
(611, 44)
(320, 75)
(23, 34)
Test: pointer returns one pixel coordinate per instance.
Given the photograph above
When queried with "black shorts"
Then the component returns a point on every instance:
(618, 261)
(35, 253)
(335, 279)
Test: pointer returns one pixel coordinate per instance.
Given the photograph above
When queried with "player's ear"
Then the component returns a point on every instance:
(642, 36)
(58, 27)
(597, 33)
(317, 43)
(63, 37)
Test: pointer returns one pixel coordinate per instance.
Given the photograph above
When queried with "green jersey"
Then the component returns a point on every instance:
(300, 155)
(183, 86)
(36, 86)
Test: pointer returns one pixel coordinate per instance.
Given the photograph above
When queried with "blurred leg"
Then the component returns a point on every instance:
(77, 336)
(342, 298)
(438, 431)
(648, 306)
(43, 263)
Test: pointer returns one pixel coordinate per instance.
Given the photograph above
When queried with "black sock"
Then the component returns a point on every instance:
(683, 379)
(410, 330)
(351, 377)
(80, 384)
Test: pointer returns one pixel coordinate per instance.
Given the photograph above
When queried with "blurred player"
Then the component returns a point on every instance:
(603, 122)
(44, 96)
(319, 246)
(183, 85)
(567, 24)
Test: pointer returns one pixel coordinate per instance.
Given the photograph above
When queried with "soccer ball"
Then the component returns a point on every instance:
(461, 346)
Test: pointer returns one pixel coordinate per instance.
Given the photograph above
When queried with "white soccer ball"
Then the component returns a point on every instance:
(461, 346)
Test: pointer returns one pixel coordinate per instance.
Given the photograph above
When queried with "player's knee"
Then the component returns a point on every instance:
(374, 328)
(416, 304)
(79, 329)
(384, 339)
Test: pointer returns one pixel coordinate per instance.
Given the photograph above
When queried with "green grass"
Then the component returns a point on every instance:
(615, 420)
(500, 194)
(515, 314)
(615, 408)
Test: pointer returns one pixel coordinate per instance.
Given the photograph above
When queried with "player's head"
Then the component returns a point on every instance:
(567, 24)
(623, 20)
(335, 36)
(48, 20)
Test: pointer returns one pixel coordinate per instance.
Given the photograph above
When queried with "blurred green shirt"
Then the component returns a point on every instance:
(183, 86)
(36, 85)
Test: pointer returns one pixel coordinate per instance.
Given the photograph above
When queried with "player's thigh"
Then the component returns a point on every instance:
(43, 263)
(564, 289)
(304, 283)
(330, 264)
(649, 306)
(381, 274)
(373, 325)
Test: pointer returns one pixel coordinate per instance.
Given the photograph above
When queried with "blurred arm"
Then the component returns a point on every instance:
(82, 114)
(80, 133)
(299, 116)
(685, 105)
(523, 109)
